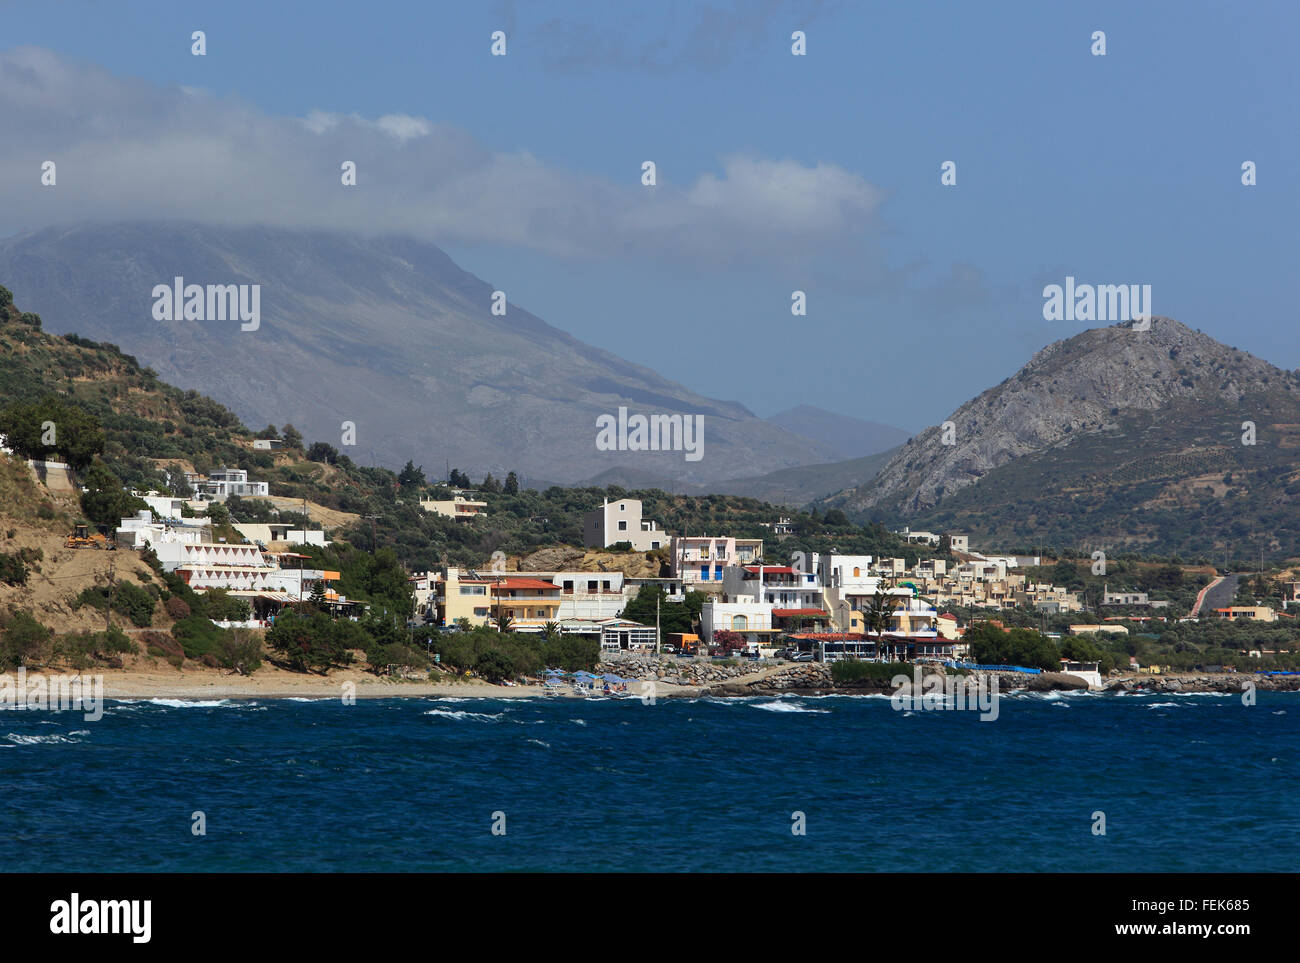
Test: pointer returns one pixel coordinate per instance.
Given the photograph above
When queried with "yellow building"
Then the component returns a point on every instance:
(458, 507)
(1247, 613)
(529, 602)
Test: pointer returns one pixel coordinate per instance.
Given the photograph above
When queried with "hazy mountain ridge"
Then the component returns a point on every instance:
(385, 332)
(850, 437)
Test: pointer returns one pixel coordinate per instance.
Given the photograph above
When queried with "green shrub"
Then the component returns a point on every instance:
(853, 670)
(22, 639)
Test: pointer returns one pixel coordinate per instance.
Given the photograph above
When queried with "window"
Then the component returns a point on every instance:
(704, 573)
(717, 572)
(473, 590)
(480, 611)
(857, 572)
(591, 588)
(622, 525)
(739, 623)
(568, 586)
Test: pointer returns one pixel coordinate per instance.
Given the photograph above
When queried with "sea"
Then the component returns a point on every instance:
(1080, 782)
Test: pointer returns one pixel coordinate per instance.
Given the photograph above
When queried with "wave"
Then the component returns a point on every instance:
(461, 714)
(788, 707)
(192, 703)
(18, 738)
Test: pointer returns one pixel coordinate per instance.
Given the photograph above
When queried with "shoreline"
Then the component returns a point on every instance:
(775, 681)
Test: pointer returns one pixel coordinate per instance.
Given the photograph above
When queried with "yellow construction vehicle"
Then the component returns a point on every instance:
(82, 537)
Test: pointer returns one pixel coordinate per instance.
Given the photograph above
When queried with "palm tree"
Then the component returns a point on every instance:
(504, 620)
(876, 616)
(551, 631)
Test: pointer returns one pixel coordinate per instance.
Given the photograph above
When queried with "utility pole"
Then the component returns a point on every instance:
(659, 595)
(112, 585)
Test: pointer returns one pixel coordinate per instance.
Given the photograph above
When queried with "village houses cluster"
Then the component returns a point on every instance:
(817, 602)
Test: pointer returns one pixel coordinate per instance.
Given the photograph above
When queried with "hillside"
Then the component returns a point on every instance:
(387, 333)
(151, 428)
(1112, 438)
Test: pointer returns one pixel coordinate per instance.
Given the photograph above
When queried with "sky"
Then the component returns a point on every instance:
(776, 173)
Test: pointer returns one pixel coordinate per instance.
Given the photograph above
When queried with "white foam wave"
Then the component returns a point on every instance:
(788, 707)
(462, 714)
(20, 739)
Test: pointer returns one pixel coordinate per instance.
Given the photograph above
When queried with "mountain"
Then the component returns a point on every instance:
(387, 333)
(788, 487)
(1114, 437)
(849, 437)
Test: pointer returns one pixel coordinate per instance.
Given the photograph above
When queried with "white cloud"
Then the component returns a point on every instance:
(127, 149)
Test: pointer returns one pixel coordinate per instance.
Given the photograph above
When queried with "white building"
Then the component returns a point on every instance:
(751, 619)
(621, 521)
(699, 559)
(224, 482)
(141, 531)
(268, 532)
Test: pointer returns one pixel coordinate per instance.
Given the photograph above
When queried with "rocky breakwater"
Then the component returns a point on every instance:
(1226, 682)
(809, 678)
(692, 673)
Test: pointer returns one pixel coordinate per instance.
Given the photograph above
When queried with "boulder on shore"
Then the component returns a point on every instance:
(1053, 681)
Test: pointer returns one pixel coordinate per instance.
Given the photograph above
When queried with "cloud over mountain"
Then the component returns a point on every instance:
(128, 149)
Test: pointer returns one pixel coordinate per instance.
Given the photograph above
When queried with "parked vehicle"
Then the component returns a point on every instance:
(803, 657)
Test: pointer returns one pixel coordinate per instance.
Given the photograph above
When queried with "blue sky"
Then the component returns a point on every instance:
(1115, 169)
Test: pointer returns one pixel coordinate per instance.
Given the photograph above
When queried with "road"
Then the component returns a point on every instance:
(1220, 596)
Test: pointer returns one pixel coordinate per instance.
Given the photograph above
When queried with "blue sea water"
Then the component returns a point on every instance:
(1186, 782)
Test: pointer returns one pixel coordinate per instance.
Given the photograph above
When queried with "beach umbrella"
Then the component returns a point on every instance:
(611, 677)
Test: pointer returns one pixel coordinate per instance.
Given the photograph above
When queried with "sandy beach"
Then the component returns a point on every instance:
(272, 683)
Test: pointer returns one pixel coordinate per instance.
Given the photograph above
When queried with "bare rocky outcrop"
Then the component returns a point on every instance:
(1070, 388)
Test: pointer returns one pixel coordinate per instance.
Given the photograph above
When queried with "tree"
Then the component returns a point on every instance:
(673, 616)
(512, 484)
(51, 427)
(411, 477)
(270, 431)
(728, 641)
(503, 621)
(22, 640)
(292, 437)
(314, 641)
(880, 607)
(457, 479)
(6, 297)
(836, 518)
(320, 451)
(105, 502)
(494, 665)
(239, 650)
